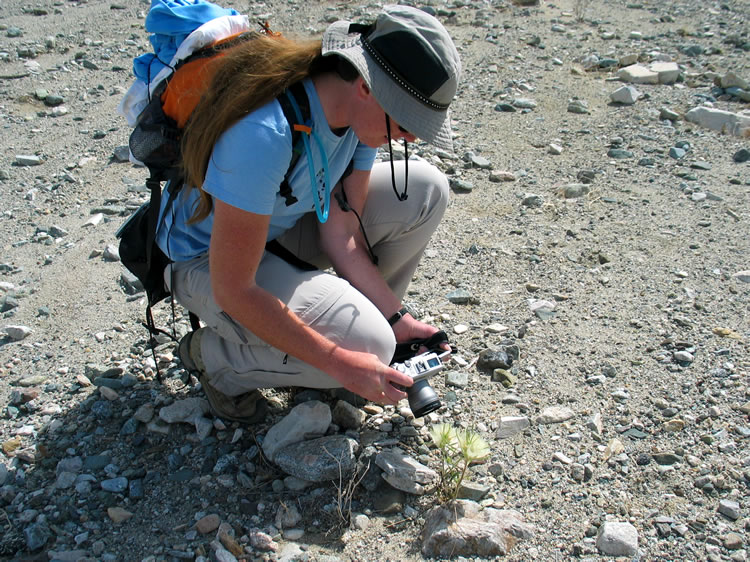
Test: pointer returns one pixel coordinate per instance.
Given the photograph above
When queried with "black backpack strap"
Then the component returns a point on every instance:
(297, 90)
(275, 248)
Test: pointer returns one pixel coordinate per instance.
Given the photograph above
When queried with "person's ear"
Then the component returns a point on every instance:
(363, 90)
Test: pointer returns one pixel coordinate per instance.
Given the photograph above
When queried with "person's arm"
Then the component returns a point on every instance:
(342, 241)
(237, 243)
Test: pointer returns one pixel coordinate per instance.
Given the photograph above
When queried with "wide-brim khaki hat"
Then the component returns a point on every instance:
(410, 64)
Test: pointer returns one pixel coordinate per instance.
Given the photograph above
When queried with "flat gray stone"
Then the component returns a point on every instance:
(405, 473)
(319, 460)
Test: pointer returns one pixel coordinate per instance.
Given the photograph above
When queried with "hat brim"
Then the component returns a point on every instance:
(426, 123)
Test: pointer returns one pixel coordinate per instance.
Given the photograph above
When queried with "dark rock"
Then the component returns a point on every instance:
(388, 500)
(37, 535)
(491, 359)
(319, 460)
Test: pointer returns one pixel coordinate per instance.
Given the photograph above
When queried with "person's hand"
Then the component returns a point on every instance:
(365, 375)
(409, 328)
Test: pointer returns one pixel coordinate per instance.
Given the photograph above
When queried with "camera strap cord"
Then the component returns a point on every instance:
(403, 196)
(344, 204)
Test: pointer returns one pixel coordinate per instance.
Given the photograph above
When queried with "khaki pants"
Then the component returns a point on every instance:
(238, 361)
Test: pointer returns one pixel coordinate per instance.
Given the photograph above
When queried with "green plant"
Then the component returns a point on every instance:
(459, 448)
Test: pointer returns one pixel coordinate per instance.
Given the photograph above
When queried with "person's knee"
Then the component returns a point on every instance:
(431, 182)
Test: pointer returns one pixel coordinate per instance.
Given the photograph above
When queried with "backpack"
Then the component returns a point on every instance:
(163, 107)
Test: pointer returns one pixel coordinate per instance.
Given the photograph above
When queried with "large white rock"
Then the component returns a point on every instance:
(734, 124)
(638, 74)
(668, 72)
(309, 420)
(617, 539)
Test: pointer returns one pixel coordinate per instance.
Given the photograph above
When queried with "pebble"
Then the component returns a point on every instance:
(554, 414)
(524, 103)
(578, 106)
(730, 509)
(511, 425)
(208, 523)
(626, 95)
(617, 539)
(118, 514)
(115, 485)
(17, 333)
(28, 160)
(502, 176)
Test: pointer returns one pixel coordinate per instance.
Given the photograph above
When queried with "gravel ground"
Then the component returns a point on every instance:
(609, 247)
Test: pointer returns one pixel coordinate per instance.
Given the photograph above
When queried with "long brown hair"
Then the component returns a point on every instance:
(247, 77)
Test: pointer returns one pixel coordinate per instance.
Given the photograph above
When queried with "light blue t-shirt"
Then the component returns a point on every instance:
(246, 168)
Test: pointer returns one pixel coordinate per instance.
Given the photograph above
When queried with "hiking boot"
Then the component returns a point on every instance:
(249, 407)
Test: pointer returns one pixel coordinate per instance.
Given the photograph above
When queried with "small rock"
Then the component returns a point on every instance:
(463, 528)
(347, 415)
(404, 473)
(524, 103)
(555, 414)
(532, 200)
(578, 106)
(111, 253)
(118, 514)
(626, 95)
(730, 509)
(617, 539)
(17, 333)
(28, 160)
(319, 460)
(500, 176)
(208, 524)
(511, 425)
(459, 296)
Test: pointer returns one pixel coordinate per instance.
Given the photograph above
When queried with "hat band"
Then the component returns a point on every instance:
(399, 79)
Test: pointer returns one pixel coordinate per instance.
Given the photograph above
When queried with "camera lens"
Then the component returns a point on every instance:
(422, 398)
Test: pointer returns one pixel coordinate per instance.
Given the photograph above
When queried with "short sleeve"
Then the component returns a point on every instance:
(249, 160)
(364, 157)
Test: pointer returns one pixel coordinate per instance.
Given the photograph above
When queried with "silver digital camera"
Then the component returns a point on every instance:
(422, 397)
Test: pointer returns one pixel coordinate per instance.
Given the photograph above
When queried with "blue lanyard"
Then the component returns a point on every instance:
(321, 206)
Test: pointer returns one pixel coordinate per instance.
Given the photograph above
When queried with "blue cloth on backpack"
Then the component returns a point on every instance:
(170, 22)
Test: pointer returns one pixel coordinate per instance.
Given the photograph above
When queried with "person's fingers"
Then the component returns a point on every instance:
(397, 377)
(393, 394)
